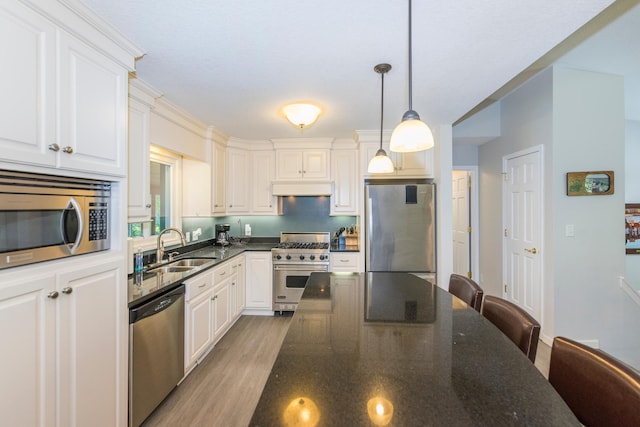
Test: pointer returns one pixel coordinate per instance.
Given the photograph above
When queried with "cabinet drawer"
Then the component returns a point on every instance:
(222, 272)
(344, 261)
(197, 285)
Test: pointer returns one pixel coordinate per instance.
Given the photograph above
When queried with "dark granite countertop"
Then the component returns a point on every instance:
(142, 288)
(392, 349)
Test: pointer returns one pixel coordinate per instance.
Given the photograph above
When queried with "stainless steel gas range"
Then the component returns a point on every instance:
(294, 259)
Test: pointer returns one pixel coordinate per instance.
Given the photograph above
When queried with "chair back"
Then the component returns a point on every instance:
(599, 389)
(514, 322)
(467, 290)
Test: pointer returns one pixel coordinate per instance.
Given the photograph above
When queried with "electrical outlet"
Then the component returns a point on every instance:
(247, 229)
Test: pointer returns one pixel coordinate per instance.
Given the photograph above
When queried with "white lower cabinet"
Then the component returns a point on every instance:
(237, 286)
(259, 279)
(64, 339)
(214, 300)
(199, 318)
(344, 261)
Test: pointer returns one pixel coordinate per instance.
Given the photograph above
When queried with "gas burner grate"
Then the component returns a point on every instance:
(302, 245)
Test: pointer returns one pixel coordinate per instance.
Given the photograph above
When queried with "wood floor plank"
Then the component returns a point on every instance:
(224, 389)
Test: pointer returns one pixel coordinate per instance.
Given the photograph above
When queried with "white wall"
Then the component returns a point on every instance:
(579, 118)
(525, 122)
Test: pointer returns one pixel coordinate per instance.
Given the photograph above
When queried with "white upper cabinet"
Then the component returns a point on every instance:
(344, 173)
(418, 164)
(80, 126)
(263, 173)
(219, 186)
(92, 105)
(27, 105)
(311, 164)
(238, 175)
(139, 196)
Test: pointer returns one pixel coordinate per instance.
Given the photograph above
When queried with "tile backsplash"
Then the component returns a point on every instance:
(299, 213)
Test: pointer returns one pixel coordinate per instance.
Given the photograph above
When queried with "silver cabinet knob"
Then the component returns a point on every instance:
(54, 147)
(67, 290)
(53, 295)
(68, 149)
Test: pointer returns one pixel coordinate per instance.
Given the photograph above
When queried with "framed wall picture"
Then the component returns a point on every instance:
(595, 183)
(632, 228)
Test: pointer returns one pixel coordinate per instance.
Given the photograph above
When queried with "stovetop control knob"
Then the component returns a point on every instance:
(312, 257)
(288, 256)
(278, 257)
(321, 257)
(301, 257)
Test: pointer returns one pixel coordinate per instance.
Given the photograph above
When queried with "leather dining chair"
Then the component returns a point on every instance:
(467, 290)
(514, 322)
(598, 388)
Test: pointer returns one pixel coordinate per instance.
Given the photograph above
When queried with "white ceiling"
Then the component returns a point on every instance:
(234, 64)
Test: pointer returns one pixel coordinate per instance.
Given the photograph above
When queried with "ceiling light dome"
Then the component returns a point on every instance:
(301, 114)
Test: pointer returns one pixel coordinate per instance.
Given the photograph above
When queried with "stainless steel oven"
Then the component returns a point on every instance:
(294, 259)
(289, 282)
(44, 217)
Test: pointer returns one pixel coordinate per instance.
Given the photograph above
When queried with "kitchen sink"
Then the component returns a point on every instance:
(190, 262)
(172, 269)
(181, 265)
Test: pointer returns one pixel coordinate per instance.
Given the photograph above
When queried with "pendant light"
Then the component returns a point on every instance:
(381, 163)
(411, 134)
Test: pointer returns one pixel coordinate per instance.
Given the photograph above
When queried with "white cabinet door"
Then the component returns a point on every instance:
(259, 279)
(27, 85)
(238, 173)
(315, 164)
(200, 327)
(237, 286)
(92, 106)
(219, 186)
(263, 173)
(221, 310)
(344, 171)
(138, 177)
(196, 188)
(28, 337)
(418, 164)
(92, 314)
(288, 164)
(308, 164)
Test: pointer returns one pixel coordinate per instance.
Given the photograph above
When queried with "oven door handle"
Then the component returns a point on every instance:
(301, 267)
(75, 206)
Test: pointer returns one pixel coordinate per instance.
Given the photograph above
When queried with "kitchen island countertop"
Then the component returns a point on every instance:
(393, 349)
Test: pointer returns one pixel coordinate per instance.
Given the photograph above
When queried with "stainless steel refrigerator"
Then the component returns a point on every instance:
(400, 233)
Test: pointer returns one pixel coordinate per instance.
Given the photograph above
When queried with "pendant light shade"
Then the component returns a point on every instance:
(411, 134)
(381, 163)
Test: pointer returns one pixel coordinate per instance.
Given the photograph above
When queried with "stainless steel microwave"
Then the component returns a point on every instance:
(45, 217)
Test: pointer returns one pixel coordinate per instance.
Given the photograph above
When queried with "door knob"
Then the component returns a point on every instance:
(68, 149)
(54, 147)
(67, 290)
(53, 295)
(532, 251)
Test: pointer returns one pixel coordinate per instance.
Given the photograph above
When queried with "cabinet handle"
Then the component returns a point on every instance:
(223, 273)
(67, 290)
(148, 206)
(203, 285)
(68, 149)
(344, 260)
(230, 206)
(53, 295)
(54, 147)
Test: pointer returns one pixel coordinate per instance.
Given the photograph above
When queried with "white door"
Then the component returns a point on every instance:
(461, 223)
(522, 219)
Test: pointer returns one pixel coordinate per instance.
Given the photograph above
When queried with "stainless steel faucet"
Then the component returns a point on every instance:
(160, 248)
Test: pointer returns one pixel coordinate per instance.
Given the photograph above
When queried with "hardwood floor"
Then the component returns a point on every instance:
(225, 388)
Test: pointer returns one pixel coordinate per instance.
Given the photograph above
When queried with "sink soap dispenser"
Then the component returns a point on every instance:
(138, 263)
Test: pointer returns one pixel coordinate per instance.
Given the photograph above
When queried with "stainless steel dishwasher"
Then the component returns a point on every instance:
(156, 352)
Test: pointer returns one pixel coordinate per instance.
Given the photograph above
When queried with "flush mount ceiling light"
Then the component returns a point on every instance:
(381, 163)
(411, 134)
(301, 115)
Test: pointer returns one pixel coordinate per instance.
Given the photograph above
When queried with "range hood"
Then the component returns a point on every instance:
(302, 188)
